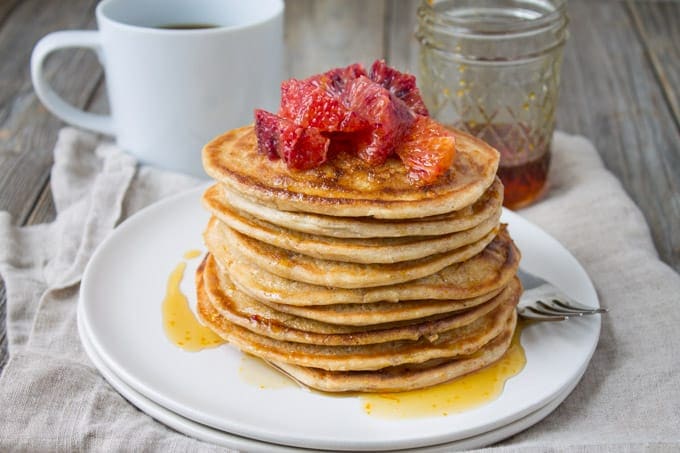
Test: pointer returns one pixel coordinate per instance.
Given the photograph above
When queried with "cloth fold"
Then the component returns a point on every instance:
(52, 397)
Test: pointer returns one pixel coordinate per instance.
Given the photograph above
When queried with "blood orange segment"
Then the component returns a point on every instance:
(349, 111)
(337, 79)
(269, 130)
(310, 151)
(427, 150)
(310, 105)
(403, 86)
(301, 148)
(389, 118)
(318, 101)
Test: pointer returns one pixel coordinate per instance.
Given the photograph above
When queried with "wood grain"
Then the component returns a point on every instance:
(6, 8)
(322, 34)
(610, 94)
(43, 209)
(3, 327)
(658, 27)
(401, 47)
(99, 102)
(27, 130)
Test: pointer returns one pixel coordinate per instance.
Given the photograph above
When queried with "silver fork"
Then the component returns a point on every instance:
(542, 301)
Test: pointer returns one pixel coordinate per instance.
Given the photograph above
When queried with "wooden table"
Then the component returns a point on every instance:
(621, 67)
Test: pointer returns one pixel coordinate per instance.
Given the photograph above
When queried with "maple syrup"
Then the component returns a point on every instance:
(465, 393)
(524, 183)
(179, 321)
(256, 372)
(473, 390)
(492, 69)
(191, 254)
(459, 395)
(525, 160)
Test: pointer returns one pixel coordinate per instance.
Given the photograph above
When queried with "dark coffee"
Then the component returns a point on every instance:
(186, 26)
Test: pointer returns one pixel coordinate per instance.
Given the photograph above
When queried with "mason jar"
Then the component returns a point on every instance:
(492, 69)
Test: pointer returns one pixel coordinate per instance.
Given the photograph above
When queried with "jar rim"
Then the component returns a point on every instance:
(475, 28)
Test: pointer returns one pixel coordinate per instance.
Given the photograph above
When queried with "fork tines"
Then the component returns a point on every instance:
(556, 310)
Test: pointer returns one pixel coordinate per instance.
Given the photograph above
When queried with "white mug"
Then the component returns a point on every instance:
(172, 90)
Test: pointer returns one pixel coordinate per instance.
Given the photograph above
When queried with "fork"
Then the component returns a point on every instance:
(542, 301)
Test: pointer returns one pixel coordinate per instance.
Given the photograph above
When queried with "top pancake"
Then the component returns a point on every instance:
(346, 185)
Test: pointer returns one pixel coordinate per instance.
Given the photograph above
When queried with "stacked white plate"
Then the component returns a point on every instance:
(202, 395)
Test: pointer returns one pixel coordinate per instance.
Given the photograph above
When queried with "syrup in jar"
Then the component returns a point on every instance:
(492, 69)
(525, 160)
(524, 183)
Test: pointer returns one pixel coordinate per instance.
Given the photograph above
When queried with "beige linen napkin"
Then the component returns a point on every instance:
(52, 398)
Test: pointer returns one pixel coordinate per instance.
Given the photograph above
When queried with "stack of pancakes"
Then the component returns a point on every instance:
(348, 277)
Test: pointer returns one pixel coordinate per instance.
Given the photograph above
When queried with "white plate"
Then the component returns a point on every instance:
(124, 284)
(202, 432)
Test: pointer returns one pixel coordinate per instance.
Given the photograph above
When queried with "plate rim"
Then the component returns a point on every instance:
(206, 433)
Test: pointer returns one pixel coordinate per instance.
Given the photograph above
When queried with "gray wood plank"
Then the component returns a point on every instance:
(659, 27)
(27, 130)
(6, 8)
(99, 102)
(401, 47)
(3, 326)
(322, 34)
(610, 95)
(43, 211)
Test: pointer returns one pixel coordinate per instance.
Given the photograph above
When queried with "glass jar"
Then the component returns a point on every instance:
(492, 69)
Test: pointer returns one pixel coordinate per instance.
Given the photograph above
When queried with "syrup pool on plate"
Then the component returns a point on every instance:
(465, 393)
(191, 254)
(179, 322)
(459, 395)
(256, 372)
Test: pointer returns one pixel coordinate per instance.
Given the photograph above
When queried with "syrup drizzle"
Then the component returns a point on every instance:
(191, 254)
(255, 371)
(465, 393)
(179, 321)
(468, 392)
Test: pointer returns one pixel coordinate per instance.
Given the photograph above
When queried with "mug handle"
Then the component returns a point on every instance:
(51, 100)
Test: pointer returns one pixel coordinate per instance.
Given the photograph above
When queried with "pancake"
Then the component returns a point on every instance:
(347, 186)
(368, 251)
(404, 377)
(377, 312)
(302, 268)
(484, 273)
(219, 196)
(246, 312)
(452, 343)
(356, 277)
